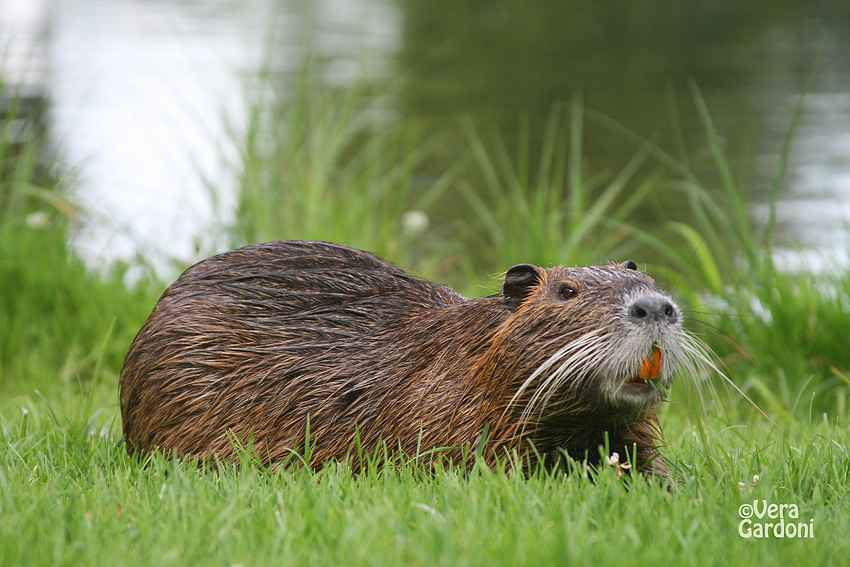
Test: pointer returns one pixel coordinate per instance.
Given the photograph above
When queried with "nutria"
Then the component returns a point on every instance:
(253, 343)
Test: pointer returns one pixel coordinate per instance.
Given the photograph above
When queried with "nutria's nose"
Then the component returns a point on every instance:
(652, 308)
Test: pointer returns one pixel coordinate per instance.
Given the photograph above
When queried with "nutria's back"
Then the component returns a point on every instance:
(252, 343)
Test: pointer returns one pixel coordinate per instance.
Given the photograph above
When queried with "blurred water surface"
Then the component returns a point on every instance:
(142, 93)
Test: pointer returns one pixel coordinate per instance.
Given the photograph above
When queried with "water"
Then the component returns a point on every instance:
(496, 60)
(140, 94)
(143, 93)
(144, 96)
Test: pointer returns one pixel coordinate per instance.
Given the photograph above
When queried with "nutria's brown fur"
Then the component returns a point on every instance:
(253, 342)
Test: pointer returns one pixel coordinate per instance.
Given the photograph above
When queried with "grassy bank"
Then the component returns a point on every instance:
(319, 164)
(71, 496)
(57, 320)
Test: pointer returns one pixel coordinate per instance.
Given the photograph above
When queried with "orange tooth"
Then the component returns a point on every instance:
(651, 365)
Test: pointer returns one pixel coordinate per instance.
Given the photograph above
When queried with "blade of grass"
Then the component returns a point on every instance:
(784, 155)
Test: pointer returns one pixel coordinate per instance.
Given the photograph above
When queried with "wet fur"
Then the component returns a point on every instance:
(254, 341)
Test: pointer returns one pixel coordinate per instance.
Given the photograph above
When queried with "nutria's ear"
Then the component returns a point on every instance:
(519, 282)
(629, 265)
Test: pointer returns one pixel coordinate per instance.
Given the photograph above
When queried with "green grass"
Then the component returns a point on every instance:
(780, 333)
(318, 165)
(54, 315)
(69, 495)
(555, 213)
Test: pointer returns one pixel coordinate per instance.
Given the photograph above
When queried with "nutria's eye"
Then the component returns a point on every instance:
(566, 292)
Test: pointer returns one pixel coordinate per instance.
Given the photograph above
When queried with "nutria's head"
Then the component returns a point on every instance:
(600, 339)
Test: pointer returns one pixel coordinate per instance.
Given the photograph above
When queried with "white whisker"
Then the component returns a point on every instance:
(574, 360)
(697, 353)
(576, 367)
